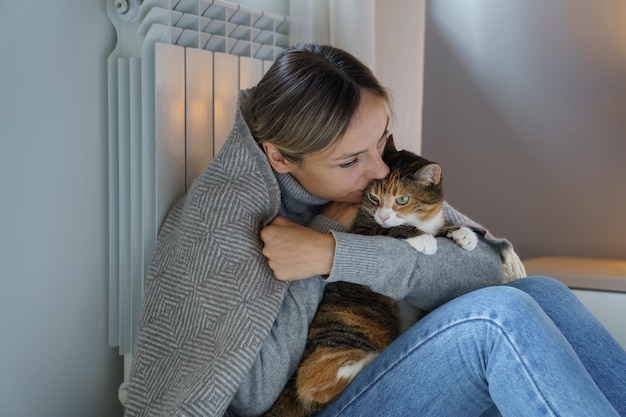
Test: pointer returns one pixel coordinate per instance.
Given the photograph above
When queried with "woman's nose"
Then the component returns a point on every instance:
(378, 169)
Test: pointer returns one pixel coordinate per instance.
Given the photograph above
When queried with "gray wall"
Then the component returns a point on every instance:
(54, 354)
(525, 108)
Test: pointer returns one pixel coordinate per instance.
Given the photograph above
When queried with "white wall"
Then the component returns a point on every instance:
(54, 355)
(400, 65)
(525, 108)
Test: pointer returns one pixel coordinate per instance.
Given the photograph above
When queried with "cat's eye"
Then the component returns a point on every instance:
(373, 197)
(401, 201)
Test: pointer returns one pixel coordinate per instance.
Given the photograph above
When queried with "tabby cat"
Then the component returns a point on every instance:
(353, 324)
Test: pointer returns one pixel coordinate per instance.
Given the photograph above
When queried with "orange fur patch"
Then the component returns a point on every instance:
(317, 382)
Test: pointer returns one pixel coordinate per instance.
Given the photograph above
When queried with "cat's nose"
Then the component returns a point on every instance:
(383, 216)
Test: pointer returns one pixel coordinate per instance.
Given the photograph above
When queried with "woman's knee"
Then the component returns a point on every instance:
(500, 303)
(542, 286)
(513, 298)
(539, 280)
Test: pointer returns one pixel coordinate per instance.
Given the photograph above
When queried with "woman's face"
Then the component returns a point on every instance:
(343, 171)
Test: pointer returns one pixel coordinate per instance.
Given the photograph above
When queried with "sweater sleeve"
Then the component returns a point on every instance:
(392, 267)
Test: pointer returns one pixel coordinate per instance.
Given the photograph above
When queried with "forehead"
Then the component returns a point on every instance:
(365, 131)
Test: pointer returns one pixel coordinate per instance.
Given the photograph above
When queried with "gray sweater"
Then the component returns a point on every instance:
(218, 334)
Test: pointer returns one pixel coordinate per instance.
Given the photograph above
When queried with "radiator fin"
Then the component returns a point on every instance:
(173, 79)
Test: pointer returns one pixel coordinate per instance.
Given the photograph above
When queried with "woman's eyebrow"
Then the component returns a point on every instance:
(353, 154)
(348, 155)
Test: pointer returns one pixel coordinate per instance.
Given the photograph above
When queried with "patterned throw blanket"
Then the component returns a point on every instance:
(210, 300)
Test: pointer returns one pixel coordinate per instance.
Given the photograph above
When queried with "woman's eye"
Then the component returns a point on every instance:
(349, 164)
(402, 200)
(373, 197)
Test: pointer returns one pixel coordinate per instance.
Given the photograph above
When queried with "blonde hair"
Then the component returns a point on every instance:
(307, 99)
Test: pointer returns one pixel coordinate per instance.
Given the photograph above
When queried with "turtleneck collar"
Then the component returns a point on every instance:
(297, 204)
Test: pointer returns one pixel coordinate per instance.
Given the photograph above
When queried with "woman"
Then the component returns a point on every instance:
(242, 261)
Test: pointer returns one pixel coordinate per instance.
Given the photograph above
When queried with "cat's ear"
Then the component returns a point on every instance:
(276, 158)
(429, 174)
(390, 148)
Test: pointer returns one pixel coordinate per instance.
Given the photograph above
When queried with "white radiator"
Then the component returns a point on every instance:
(173, 79)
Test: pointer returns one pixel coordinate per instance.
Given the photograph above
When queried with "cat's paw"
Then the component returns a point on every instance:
(512, 266)
(464, 237)
(426, 244)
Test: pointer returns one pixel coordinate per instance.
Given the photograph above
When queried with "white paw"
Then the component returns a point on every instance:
(464, 237)
(512, 266)
(426, 244)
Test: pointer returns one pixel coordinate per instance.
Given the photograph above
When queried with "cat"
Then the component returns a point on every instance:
(408, 204)
(351, 327)
(353, 324)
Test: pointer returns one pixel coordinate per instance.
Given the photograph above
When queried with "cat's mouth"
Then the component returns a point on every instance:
(385, 217)
(388, 222)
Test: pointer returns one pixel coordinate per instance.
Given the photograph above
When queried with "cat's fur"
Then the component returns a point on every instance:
(353, 324)
(420, 217)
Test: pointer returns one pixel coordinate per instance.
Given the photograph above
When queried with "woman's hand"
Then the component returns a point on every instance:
(296, 252)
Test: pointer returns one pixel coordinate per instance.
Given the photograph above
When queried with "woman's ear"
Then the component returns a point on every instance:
(276, 159)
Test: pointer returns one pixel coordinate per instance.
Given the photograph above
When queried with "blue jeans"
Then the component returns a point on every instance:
(527, 348)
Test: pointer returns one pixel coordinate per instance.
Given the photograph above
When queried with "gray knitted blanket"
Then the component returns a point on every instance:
(210, 298)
